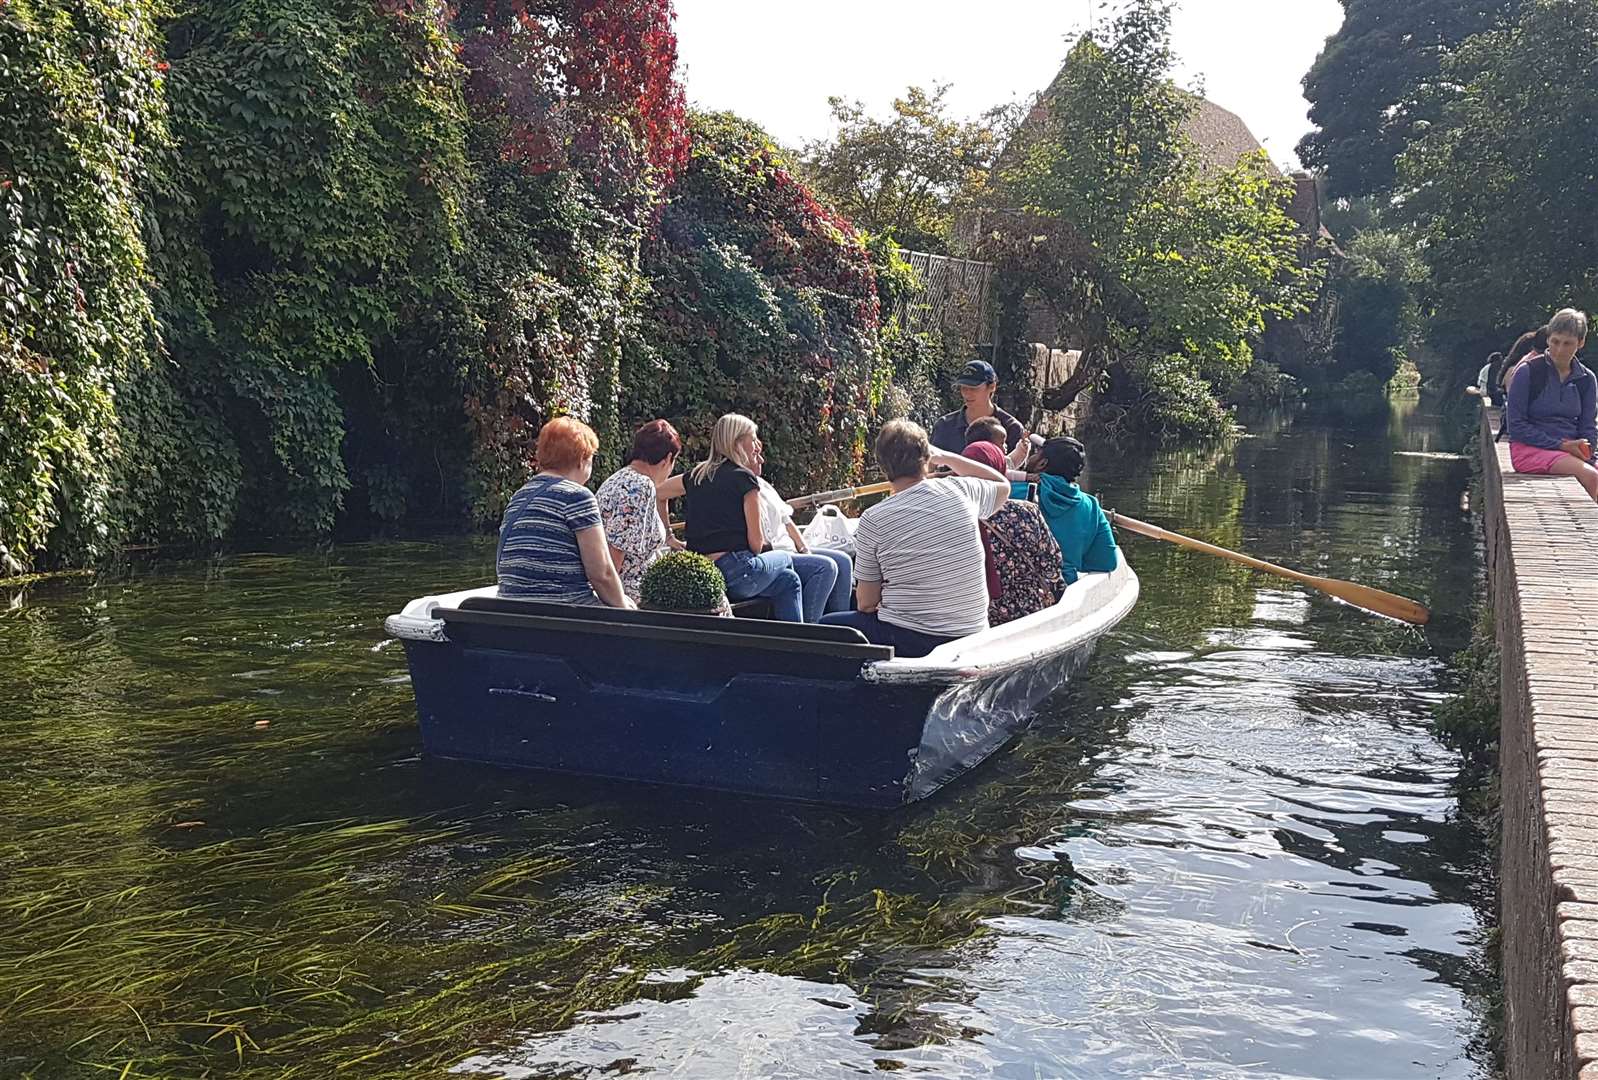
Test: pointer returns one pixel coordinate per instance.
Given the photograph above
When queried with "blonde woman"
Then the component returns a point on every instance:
(721, 515)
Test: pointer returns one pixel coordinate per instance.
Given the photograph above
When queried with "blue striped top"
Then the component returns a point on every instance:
(538, 557)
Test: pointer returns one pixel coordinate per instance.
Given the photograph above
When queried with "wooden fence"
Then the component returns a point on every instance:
(955, 294)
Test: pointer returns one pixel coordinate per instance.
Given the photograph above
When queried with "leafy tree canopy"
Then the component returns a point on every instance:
(908, 175)
(764, 302)
(1148, 264)
(1502, 189)
(1375, 84)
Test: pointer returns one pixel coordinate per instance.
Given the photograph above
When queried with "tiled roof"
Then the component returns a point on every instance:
(1221, 137)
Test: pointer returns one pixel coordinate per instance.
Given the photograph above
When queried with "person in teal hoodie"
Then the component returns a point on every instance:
(1087, 546)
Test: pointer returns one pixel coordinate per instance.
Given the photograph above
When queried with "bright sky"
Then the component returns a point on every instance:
(776, 63)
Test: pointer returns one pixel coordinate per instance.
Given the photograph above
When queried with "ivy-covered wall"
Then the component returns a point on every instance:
(278, 266)
(81, 110)
(763, 302)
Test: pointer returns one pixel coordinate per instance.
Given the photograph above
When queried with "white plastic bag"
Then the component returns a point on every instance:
(829, 529)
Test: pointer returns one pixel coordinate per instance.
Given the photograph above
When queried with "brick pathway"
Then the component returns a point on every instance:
(1541, 535)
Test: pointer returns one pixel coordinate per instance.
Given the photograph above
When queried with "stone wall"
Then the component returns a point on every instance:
(1540, 532)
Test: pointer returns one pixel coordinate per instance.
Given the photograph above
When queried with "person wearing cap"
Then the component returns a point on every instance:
(976, 385)
(1087, 546)
(1024, 569)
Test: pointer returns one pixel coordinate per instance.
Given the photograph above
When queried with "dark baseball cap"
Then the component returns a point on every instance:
(977, 373)
(1064, 456)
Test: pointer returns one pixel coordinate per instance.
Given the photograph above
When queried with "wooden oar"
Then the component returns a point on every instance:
(821, 497)
(839, 495)
(1361, 596)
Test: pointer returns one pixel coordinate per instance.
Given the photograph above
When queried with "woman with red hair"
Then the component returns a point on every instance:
(552, 543)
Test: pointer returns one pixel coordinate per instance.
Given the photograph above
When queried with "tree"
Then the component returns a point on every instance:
(577, 130)
(1501, 189)
(907, 176)
(1379, 318)
(1159, 273)
(1375, 84)
(310, 225)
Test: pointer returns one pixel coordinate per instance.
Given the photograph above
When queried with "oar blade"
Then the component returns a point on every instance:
(1382, 603)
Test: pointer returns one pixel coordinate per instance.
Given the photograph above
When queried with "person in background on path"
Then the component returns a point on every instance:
(552, 542)
(1553, 399)
(1487, 384)
(721, 515)
(1087, 545)
(1527, 344)
(920, 577)
(776, 523)
(977, 384)
(1024, 570)
(633, 503)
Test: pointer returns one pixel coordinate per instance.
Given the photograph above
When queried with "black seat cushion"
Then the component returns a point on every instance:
(841, 635)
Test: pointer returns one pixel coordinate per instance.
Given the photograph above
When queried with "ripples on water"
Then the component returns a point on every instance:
(1232, 851)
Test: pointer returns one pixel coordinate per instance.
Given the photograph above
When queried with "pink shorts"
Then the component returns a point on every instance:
(1533, 459)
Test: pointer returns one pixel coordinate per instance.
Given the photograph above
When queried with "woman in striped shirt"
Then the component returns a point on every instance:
(552, 544)
(919, 567)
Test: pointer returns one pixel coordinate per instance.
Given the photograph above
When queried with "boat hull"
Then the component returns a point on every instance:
(687, 715)
(747, 706)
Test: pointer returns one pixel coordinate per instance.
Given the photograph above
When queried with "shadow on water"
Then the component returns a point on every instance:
(1231, 850)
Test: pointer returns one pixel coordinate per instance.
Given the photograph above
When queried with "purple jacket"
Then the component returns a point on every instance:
(1563, 410)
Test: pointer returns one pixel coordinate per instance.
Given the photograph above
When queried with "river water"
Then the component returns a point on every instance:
(1233, 850)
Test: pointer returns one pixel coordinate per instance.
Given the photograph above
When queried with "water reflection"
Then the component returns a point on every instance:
(1232, 850)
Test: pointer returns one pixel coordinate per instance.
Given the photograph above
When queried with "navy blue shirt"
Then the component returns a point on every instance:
(949, 432)
(1562, 410)
(538, 557)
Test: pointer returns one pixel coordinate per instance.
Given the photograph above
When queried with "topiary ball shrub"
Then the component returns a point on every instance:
(684, 581)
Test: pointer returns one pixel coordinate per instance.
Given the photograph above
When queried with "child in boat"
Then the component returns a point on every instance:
(1087, 546)
(989, 430)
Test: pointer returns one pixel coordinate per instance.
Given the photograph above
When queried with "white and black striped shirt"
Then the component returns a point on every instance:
(923, 546)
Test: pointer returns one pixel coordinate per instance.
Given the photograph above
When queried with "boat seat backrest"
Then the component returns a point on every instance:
(837, 635)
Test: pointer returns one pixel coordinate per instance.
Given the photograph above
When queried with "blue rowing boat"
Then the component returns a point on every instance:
(795, 711)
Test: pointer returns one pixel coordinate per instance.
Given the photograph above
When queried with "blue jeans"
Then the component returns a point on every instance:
(838, 599)
(771, 575)
(905, 642)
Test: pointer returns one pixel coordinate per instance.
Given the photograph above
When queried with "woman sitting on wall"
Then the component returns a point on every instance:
(552, 543)
(721, 515)
(1553, 398)
(632, 503)
(1023, 559)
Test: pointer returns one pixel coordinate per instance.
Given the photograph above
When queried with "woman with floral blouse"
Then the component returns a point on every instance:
(632, 503)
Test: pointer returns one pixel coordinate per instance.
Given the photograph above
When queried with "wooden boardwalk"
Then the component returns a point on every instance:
(1542, 533)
